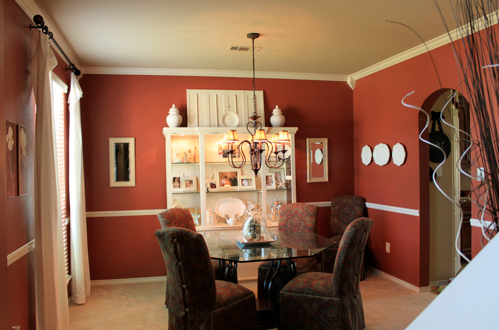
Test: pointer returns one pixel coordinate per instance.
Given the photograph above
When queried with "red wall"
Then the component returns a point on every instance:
(137, 106)
(18, 44)
(379, 117)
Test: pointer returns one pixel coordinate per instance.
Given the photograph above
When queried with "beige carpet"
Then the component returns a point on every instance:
(387, 306)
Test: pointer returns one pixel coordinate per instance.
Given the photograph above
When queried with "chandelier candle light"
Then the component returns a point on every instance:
(258, 138)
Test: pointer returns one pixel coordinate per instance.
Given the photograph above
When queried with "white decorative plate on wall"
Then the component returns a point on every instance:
(367, 155)
(381, 154)
(398, 154)
(230, 119)
(230, 206)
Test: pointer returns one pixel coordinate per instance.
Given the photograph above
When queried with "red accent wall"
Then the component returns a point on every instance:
(379, 117)
(17, 228)
(137, 106)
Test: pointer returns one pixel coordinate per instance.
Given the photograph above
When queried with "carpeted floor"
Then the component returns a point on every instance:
(387, 306)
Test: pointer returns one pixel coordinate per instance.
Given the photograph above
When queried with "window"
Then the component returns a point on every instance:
(59, 89)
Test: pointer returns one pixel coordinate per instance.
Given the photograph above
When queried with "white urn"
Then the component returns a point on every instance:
(277, 119)
(174, 119)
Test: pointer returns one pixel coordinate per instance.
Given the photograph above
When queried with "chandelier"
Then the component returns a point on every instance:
(258, 142)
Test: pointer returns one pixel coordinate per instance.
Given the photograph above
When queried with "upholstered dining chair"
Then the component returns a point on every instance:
(293, 218)
(197, 300)
(344, 210)
(329, 301)
(178, 217)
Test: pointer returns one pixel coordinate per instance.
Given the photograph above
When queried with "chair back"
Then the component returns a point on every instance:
(176, 217)
(192, 289)
(297, 218)
(347, 266)
(344, 210)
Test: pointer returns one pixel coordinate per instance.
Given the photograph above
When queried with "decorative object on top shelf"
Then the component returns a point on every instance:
(277, 119)
(398, 154)
(317, 160)
(174, 119)
(366, 155)
(258, 138)
(381, 154)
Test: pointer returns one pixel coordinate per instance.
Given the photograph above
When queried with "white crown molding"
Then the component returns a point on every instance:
(21, 252)
(395, 209)
(421, 49)
(213, 73)
(31, 9)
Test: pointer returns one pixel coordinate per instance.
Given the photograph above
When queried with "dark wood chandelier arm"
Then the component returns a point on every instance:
(269, 150)
(243, 156)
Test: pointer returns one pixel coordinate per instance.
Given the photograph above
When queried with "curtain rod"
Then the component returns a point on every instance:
(40, 24)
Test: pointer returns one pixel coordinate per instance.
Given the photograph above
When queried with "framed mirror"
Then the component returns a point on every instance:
(122, 162)
(317, 160)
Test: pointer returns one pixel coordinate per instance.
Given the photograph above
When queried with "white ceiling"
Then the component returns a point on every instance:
(298, 36)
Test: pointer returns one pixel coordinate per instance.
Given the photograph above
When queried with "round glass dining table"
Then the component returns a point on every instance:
(229, 250)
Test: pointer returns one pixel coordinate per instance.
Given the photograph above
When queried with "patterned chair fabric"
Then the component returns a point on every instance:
(344, 210)
(329, 301)
(182, 218)
(197, 300)
(293, 218)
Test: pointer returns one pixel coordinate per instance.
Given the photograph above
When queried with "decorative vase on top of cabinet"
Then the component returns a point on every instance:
(199, 178)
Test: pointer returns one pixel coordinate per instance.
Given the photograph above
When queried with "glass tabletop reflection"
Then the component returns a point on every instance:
(227, 247)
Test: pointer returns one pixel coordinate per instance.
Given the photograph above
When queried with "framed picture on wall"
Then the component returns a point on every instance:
(21, 159)
(317, 160)
(10, 159)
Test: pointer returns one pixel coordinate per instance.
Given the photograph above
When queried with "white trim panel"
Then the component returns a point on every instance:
(21, 252)
(213, 73)
(401, 282)
(395, 209)
(477, 223)
(128, 280)
(110, 214)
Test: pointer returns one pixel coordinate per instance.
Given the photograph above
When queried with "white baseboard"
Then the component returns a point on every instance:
(401, 282)
(128, 280)
(439, 283)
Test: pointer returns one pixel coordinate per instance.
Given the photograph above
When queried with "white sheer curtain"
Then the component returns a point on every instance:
(50, 277)
(80, 283)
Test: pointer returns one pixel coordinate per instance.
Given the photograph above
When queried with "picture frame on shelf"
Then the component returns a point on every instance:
(247, 182)
(280, 178)
(317, 160)
(189, 183)
(270, 181)
(177, 184)
(223, 154)
(228, 179)
(212, 185)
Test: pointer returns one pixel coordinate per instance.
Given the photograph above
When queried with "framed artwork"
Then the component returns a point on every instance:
(177, 184)
(228, 179)
(122, 162)
(280, 178)
(247, 182)
(317, 160)
(10, 159)
(270, 181)
(21, 159)
(189, 183)
(223, 155)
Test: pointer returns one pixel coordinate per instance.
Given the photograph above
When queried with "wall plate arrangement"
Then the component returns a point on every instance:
(398, 154)
(367, 155)
(381, 154)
